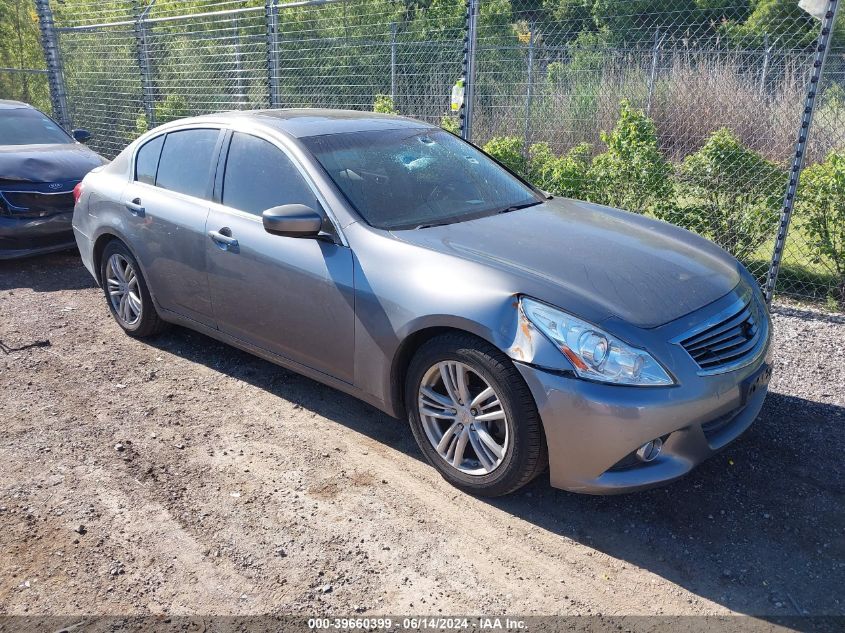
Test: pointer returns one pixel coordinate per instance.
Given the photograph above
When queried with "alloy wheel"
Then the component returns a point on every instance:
(463, 418)
(123, 290)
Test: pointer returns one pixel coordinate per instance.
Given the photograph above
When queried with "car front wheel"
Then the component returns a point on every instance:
(473, 416)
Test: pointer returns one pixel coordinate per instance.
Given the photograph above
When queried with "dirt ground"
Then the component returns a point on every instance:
(181, 476)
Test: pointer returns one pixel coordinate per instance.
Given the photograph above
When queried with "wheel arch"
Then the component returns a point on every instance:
(97, 253)
(406, 351)
(101, 241)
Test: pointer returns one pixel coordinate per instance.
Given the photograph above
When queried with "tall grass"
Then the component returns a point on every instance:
(693, 95)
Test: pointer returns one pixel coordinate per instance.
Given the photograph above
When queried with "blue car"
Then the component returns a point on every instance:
(40, 164)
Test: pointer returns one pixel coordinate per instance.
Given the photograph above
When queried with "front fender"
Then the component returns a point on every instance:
(431, 292)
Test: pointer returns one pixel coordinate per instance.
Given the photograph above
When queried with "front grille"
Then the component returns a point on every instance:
(35, 204)
(730, 340)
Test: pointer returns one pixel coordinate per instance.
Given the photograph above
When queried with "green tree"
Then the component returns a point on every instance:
(781, 20)
(20, 47)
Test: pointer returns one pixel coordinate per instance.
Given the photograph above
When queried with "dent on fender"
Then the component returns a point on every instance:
(526, 344)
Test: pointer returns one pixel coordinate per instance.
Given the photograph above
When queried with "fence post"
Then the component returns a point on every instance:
(822, 50)
(655, 53)
(240, 91)
(271, 18)
(53, 57)
(143, 55)
(393, 61)
(470, 45)
(767, 59)
(529, 88)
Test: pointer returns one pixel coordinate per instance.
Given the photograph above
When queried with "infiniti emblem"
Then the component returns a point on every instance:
(55, 185)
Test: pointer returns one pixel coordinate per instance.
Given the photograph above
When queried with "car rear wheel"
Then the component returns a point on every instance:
(473, 416)
(126, 292)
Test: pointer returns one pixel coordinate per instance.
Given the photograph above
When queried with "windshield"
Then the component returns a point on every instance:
(413, 178)
(25, 126)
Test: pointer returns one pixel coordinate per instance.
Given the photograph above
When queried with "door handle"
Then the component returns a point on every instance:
(135, 207)
(225, 242)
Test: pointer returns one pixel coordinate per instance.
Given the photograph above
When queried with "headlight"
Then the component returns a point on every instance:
(594, 353)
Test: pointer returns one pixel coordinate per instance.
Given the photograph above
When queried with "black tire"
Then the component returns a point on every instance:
(526, 455)
(149, 323)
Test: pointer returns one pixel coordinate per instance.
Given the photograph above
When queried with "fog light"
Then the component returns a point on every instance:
(650, 450)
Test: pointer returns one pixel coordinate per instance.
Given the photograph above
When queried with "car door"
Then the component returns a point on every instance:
(291, 296)
(167, 205)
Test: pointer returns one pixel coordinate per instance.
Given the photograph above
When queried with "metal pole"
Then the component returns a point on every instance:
(767, 57)
(240, 91)
(655, 52)
(143, 54)
(53, 57)
(529, 89)
(393, 61)
(271, 17)
(470, 46)
(822, 50)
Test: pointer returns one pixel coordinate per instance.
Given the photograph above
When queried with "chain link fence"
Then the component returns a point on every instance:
(29, 85)
(686, 111)
(128, 67)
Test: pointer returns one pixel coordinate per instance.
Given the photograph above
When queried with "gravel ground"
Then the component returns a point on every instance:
(180, 476)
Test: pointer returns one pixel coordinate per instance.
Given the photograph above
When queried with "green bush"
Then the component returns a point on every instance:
(730, 194)
(556, 74)
(821, 202)
(384, 105)
(541, 166)
(632, 174)
(508, 150)
(451, 124)
(561, 175)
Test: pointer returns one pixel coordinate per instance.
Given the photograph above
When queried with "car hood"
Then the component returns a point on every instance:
(47, 163)
(609, 262)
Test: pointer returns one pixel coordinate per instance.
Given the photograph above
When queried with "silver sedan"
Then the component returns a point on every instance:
(389, 259)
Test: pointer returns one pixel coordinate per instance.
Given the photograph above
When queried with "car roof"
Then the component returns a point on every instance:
(304, 122)
(8, 104)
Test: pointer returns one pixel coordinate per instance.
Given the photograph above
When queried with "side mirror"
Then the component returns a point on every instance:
(292, 220)
(83, 136)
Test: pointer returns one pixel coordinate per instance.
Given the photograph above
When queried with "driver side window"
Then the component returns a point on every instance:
(260, 176)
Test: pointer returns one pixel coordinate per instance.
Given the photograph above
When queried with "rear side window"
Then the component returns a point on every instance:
(260, 176)
(185, 163)
(146, 161)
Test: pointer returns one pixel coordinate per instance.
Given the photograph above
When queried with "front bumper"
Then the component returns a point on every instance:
(23, 237)
(593, 430)
(590, 428)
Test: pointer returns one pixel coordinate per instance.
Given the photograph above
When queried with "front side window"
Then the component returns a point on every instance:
(408, 178)
(259, 176)
(146, 161)
(185, 163)
(27, 126)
